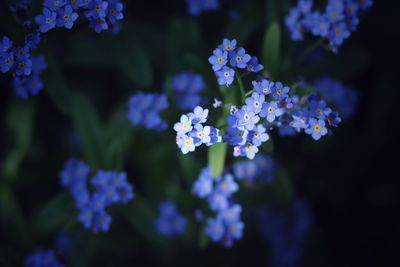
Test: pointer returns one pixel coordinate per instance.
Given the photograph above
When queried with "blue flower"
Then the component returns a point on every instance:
(249, 150)
(227, 185)
(231, 214)
(333, 119)
(23, 66)
(254, 66)
(236, 136)
(300, 120)
(279, 91)
(66, 17)
(235, 230)
(6, 61)
(228, 45)
(225, 76)
(255, 102)
(47, 20)
(110, 187)
(344, 98)
(199, 115)
(195, 7)
(334, 11)
(270, 111)
(338, 34)
(144, 109)
(32, 40)
(214, 136)
(261, 167)
(99, 24)
(200, 134)
(259, 135)
(294, 25)
(319, 109)
(246, 118)
(5, 45)
(186, 86)
(97, 9)
(203, 186)
(101, 221)
(316, 129)
(184, 126)
(218, 60)
(115, 9)
(365, 4)
(218, 201)
(185, 143)
(263, 87)
(170, 222)
(54, 5)
(215, 229)
(42, 258)
(239, 58)
(340, 17)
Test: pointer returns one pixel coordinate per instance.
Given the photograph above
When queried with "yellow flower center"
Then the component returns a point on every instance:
(220, 60)
(228, 48)
(270, 109)
(317, 128)
(187, 142)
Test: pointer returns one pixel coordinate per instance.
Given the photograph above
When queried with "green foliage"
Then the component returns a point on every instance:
(271, 49)
(20, 121)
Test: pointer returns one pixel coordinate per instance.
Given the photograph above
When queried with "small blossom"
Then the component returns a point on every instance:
(47, 20)
(239, 58)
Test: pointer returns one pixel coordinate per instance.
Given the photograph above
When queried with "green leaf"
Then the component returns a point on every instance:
(20, 120)
(80, 110)
(55, 214)
(11, 216)
(127, 55)
(88, 125)
(271, 49)
(216, 158)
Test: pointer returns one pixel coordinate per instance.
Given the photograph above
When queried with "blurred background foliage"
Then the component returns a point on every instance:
(347, 178)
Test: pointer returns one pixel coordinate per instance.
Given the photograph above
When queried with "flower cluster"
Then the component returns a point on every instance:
(145, 108)
(339, 19)
(110, 188)
(285, 233)
(186, 87)
(227, 226)
(24, 67)
(343, 97)
(262, 168)
(43, 258)
(170, 222)
(191, 132)
(56, 13)
(270, 105)
(228, 58)
(196, 7)
(62, 13)
(245, 132)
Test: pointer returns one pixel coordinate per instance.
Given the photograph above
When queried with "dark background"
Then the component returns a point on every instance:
(350, 179)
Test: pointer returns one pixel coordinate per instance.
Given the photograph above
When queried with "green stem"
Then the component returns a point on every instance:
(309, 50)
(249, 92)
(240, 83)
